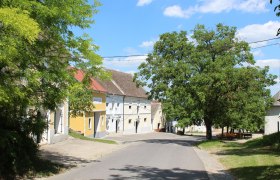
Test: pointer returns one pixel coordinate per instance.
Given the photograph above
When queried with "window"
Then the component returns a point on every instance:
(129, 107)
(107, 104)
(129, 121)
(118, 104)
(145, 119)
(89, 123)
(144, 107)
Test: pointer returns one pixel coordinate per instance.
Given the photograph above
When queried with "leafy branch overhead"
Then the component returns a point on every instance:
(37, 46)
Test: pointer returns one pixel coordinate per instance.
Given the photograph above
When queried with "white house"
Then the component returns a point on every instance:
(57, 125)
(272, 119)
(128, 108)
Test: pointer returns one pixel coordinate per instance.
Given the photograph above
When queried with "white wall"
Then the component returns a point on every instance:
(139, 112)
(271, 120)
(114, 113)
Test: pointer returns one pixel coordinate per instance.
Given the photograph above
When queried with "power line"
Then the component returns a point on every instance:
(266, 45)
(264, 40)
(139, 55)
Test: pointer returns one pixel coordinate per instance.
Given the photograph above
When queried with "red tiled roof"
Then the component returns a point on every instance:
(79, 75)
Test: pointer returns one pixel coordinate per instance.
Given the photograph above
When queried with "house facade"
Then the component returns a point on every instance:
(91, 124)
(136, 106)
(272, 119)
(157, 116)
(57, 125)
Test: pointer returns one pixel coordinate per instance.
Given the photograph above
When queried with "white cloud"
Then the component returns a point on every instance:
(124, 62)
(144, 2)
(217, 6)
(272, 63)
(257, 32)
(177, 11)
(147, 44)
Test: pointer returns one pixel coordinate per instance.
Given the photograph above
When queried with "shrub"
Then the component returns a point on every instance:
(272, 140)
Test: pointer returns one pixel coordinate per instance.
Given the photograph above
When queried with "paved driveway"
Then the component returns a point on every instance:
(148, 156)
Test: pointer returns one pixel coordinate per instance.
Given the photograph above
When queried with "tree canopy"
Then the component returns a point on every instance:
(37, 46)
(210, 78)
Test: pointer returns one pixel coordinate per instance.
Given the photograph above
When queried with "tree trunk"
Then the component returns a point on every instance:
(183, 130)
(208, 125)
(222, 132)
(227, 129)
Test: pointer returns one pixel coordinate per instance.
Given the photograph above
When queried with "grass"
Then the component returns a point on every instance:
(79, 136)
(251, 160)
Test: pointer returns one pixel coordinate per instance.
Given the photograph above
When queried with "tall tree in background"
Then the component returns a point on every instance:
(211, 79)
(37, 46)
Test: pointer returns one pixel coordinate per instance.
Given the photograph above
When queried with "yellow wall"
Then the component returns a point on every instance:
(102, 106)
(81, 123)
(77, 123)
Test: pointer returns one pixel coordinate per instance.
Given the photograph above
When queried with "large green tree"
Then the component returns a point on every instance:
(211, 78)
(37, 46)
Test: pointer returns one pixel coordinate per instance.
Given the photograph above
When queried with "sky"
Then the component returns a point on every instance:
(131, 27)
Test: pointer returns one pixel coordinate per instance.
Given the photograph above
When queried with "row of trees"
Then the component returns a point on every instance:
(37, 46)
(210, 78)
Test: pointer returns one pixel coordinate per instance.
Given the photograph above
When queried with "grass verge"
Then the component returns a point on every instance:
(251, 160)
(79, 136)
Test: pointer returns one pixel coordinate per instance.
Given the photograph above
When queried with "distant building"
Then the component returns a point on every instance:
(136, 106)
(92, 124)
(114, 106)
(158, 121)
(272, 119)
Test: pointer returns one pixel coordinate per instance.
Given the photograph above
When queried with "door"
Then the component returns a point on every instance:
(136, 127)
(96, 123)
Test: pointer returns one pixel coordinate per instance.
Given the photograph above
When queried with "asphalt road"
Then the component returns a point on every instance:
(151, 156)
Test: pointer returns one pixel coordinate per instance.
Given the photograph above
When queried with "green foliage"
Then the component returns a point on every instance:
(212, 79)
(37, 46)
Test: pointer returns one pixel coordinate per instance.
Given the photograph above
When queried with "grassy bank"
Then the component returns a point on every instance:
(79, 136)
(255, 159)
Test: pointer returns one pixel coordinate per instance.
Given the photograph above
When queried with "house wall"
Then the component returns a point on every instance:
(81, 123)
(136, 110)
(271, 120)
(114, 113)
(57, 124)
(158, 118)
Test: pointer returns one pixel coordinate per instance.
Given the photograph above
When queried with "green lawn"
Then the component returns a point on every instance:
(79, 136)
(251, 160)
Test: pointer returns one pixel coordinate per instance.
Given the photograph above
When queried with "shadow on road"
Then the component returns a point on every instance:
(145, 172)
(181, 142)
(68, 161)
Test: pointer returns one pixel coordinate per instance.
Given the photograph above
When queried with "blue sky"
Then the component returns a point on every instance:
(128, 27)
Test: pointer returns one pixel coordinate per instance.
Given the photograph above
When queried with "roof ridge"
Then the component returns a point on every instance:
(117, 86)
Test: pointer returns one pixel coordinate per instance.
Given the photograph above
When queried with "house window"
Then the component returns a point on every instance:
(107, 104)
(145, 119)
(129, 121)
(129, 107)
(89, 123)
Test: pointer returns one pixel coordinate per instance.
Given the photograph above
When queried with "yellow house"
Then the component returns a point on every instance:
(92, 124)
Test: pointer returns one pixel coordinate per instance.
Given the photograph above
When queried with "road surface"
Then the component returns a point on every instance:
(148, 156)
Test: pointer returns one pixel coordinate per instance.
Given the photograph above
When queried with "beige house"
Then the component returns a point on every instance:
(157, 116)
(57, 125)
(272, 119)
